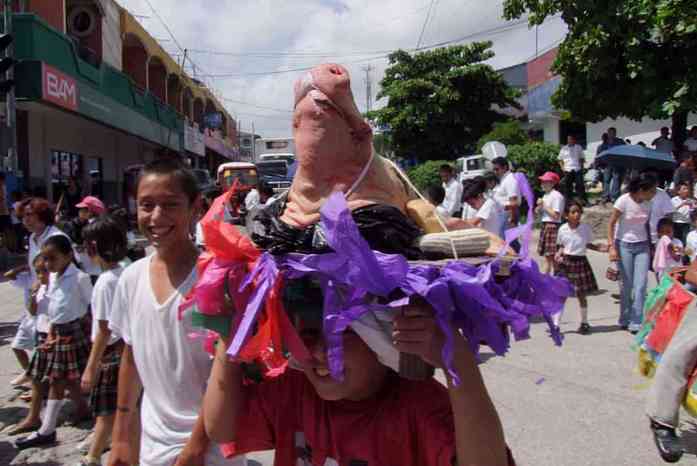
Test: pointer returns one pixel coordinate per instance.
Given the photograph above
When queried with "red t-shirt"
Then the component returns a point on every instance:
(407, 423)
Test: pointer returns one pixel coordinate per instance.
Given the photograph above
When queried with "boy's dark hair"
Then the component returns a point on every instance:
(474, 188)
(490, 177)
(643, 182)
(177, 170)
(573, 203)
(43, 210)
(446, 167)
(683, 183)
(109, 238)
(501, 162)
(59, 242)
(436, 194)
(664, 222)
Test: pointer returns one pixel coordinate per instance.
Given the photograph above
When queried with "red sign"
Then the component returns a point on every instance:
(539, 69)
(59, 88)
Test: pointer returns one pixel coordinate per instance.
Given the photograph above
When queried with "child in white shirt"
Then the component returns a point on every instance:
(669, 249)
(551, 206)
(573, 240)
(490, 214)
(68, 345)
(683, 205)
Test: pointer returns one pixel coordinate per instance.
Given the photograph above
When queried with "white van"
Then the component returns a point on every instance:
(472, 166)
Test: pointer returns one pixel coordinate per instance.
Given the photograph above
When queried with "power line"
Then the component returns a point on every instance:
(255, 105)
(423, 28)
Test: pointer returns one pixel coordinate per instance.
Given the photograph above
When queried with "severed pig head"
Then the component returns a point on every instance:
(333, 146)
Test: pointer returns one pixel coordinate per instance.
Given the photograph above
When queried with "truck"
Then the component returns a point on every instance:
(265, 147)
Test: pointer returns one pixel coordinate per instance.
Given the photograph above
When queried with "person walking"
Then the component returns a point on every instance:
(572, 161)
(551, 206)
(630, 243)
(158, 354)
(452, 204)
(664, 143)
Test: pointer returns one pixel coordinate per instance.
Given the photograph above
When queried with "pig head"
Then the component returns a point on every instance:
(333, 145)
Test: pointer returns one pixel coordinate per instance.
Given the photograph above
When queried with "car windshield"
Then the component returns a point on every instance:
(272, 168)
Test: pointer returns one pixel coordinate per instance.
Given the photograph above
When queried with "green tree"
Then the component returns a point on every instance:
(534, 159)
(506, 132)
(631, 58)
(426, 174)
(440, 102)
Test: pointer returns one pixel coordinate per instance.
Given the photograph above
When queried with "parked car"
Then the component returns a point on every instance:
(472, 166)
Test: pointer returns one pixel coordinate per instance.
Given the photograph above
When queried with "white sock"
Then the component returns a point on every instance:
(48, 426)
(584, 315)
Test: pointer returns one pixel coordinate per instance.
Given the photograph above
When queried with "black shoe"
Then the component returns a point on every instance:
(624, 327)
(35, 440)
(667, 442)
(584, 329)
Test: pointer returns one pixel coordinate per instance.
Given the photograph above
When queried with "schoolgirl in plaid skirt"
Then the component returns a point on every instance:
(573, 240)
(106, 245)
(64, 352)
(551, 206)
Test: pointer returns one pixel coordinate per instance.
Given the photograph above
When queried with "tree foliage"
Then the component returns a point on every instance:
(534, 159)
(440, 102)
(631, 58)
(426, 174)
(508, 133)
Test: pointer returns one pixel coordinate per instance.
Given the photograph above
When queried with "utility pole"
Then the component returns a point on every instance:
(254, 145)
(10, 98)
(368, 88)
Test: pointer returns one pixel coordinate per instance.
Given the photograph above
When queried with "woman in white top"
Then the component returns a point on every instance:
(551, 205)
(630, 244)
(490, 214)
(69, 294)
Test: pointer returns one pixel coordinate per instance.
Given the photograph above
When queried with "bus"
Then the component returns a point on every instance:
(265, 147)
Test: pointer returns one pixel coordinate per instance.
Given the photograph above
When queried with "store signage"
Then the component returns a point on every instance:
(59, 88)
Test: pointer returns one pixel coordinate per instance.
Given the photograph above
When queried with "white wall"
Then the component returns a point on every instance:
(111, 35)
(637, 131)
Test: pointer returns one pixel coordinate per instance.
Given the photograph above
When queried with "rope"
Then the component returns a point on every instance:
(406, 179)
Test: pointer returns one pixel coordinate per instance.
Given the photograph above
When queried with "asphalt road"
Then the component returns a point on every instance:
(581, 404)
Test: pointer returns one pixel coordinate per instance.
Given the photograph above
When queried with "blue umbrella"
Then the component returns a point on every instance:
(636, 157)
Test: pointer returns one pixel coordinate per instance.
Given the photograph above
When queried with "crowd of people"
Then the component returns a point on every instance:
(107, 334)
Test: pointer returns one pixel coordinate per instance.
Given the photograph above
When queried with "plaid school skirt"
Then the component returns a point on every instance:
(547, 245)
(69, 351)
(578, 271)
(39, 359)
(103, 395)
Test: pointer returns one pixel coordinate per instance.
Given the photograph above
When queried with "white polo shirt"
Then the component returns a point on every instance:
(69, 295)
(571, 156)
(506, 189)
(554, 201)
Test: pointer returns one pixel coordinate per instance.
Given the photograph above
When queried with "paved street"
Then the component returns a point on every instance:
(581, 404)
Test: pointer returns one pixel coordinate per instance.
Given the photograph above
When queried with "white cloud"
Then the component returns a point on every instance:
(344, 29)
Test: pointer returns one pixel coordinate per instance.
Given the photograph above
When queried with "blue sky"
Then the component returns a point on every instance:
(256, 41)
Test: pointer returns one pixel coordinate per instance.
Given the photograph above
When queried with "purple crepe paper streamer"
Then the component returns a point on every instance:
(267, 272)
(459, 293)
